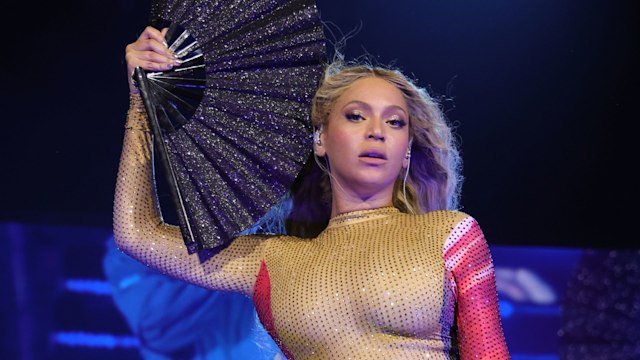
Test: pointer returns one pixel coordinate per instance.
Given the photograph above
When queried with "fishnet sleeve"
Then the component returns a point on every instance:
(139, 229)
(467, 256)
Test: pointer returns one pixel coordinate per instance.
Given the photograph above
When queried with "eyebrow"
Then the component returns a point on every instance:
(368, 107)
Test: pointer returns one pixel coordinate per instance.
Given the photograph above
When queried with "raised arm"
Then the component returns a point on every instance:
(467, 256)
(138, 226)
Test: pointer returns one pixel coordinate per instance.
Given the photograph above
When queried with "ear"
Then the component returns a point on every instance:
(318, 142)
(407, 157)
(405, 163)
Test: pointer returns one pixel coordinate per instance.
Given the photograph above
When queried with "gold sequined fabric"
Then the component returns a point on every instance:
(376, 284)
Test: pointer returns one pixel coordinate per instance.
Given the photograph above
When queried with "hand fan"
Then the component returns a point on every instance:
(231, 123)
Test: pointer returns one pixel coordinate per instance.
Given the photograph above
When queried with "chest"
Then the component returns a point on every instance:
(333, 287)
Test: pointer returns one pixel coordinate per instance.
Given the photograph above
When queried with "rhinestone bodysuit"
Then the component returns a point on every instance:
(375, 284)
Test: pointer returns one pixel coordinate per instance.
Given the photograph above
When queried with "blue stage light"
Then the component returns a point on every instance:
(506, 309)
(93, 286)
(84, 339)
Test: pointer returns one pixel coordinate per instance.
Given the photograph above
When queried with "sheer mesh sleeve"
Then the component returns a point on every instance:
(140, 231)
(467, 256)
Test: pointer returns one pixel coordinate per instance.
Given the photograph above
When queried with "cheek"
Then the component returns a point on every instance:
(401, 145)
(339, 143)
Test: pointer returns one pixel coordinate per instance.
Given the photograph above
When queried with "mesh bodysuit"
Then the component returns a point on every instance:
(376, 284)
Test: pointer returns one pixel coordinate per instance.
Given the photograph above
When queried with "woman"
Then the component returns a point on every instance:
(393, 276)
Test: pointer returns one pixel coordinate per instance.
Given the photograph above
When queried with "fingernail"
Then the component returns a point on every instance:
(165, 43)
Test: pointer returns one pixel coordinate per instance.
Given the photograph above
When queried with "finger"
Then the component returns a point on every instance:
(153, 56)
(164, 36)
(150, 65)
(136, 58)
(152, 33)
(154, 66)
(152, 45)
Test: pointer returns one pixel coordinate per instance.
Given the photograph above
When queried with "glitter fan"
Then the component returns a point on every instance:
(231, 124)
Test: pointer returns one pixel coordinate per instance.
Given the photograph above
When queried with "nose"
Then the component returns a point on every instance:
(375, 130)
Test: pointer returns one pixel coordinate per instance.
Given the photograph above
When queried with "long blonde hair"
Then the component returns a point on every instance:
(434, 179)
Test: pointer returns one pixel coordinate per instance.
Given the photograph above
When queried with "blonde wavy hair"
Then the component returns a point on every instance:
(434, 180)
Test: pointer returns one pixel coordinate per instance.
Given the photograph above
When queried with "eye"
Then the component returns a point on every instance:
(354, 116)
(397, 123)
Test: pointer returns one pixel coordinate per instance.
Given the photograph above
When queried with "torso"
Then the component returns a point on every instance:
(372, 285)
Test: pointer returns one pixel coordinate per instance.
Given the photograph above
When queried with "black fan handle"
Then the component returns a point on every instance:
(160, 148)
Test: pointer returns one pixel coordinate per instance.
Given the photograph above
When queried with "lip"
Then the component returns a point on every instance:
(373, 154)
(372, 157)
(372, 161)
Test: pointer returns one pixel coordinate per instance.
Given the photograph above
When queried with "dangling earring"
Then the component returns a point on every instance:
(408, 154)
(406, 171)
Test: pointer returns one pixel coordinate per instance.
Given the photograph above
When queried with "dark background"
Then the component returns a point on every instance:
(542, 93)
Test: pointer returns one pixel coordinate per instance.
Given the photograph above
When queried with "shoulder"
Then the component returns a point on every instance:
(445, 218)
(279, 243)
(457, 225)
(455, 229)
(465, 241)
(445, 223)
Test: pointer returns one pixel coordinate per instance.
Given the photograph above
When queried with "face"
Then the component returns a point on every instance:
(366, 137)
